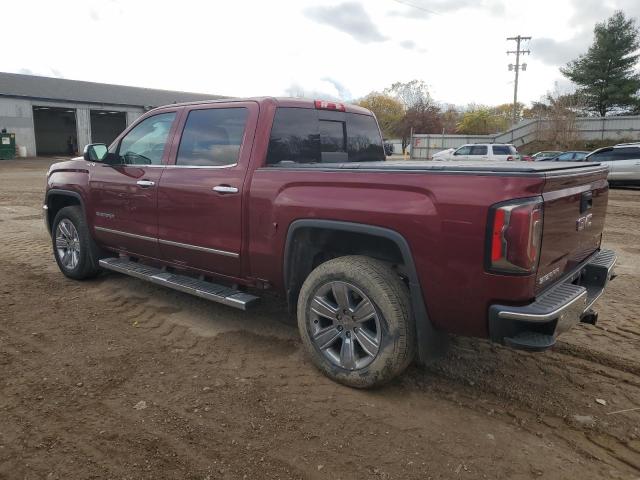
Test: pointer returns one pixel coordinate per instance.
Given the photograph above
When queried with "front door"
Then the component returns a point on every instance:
(462, 153)
(124, 187)
(201, 191)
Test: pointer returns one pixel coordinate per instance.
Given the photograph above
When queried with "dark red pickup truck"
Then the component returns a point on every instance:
(382, 259)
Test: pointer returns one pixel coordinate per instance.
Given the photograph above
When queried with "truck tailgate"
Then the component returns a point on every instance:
(575, 203)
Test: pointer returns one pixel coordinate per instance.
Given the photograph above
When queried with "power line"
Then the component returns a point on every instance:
(409, 4)
(517, 67)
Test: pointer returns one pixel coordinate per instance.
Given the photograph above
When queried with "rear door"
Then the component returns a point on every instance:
(462, 153)
(502, 152)
(626, 164)
(479, 152)
(200, 193)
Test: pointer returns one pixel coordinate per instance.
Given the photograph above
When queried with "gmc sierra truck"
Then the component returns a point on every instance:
(381, 259)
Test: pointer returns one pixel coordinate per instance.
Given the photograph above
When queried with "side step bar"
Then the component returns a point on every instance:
(199, 288)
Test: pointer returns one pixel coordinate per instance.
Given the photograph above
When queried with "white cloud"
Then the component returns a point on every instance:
(341, 48)
(348, 17)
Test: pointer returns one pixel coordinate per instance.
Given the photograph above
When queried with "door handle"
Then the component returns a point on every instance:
(145, 183)
(225, 189)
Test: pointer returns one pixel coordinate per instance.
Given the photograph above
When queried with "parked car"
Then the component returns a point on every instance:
(480, 151)
(569, 156)
(623, 161)
(225, 199)
(545, 154)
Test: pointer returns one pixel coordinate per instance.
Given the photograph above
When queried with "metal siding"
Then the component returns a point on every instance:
(588, 128)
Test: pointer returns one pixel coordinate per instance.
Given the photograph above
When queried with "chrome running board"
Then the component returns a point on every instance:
(199, 288)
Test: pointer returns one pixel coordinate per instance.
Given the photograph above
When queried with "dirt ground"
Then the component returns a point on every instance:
(117, 378)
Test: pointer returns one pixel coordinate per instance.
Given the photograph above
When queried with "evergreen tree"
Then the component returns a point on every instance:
(606, 74)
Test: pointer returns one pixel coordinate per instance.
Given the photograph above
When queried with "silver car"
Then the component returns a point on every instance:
(623, 161)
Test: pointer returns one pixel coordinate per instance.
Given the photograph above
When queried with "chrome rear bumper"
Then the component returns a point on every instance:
(536, 326)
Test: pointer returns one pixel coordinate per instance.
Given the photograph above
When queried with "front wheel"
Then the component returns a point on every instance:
(355, 321)
(73, 248)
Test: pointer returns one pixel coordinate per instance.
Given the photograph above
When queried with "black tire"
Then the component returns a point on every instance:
(390, 297)
(89, 253)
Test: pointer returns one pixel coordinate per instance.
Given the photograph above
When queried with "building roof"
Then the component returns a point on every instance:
(60, 89)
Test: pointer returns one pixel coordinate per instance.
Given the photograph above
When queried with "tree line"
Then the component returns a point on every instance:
(606, 79)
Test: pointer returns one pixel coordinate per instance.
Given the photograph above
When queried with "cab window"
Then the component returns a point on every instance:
(302, 135)
(478, 150)
(146, 142)
(212, 137)
(463, 150)
(501, 150)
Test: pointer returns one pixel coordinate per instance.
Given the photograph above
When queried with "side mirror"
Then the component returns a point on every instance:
(388, 149)
(95, 152)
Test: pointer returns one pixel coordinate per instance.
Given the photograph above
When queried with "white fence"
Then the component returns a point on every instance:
(527, 131)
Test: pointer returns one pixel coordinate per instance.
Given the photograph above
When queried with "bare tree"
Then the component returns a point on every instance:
(411, 94)
(558, 125)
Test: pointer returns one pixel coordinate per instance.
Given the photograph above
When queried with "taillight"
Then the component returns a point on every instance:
(324, 105)
(515, 236)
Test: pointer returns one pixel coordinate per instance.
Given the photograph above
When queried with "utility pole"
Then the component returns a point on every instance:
(517, 67)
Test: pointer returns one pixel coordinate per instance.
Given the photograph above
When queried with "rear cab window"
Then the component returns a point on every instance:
(306, 135)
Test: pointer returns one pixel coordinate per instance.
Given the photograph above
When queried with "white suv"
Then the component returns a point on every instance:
(623, 161)
(480, 151)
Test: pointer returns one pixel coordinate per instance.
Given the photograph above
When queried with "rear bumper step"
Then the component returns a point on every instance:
(199, 288)
(535, 326)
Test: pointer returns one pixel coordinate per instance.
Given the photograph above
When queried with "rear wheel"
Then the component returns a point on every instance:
(75, 251)
(355, 320)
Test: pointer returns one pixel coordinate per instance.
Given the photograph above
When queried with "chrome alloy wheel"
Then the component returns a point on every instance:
(67, 244)
(345, 325)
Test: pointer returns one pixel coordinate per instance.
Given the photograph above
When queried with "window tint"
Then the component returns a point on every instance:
(463, 150)
(478, 150)
(295, 136)
(364, 143)
(333, 146)
(145, 144)
(212, 137)
(501, 150)
(626, 153)
(300, 135)
(580, 156)
(565, 157)
(602, 156)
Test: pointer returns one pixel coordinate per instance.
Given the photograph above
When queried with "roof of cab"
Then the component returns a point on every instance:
(291, 102)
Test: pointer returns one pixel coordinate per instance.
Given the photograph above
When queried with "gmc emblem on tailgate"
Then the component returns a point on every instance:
(584, 222)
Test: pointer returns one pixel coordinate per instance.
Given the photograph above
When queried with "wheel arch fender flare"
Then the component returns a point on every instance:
(59, 192)
(430, 341)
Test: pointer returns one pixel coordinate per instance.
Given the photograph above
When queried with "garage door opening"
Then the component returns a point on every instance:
(106, 125)
(55, 129)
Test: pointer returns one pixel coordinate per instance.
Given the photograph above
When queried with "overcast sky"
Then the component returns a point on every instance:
(342, 49)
